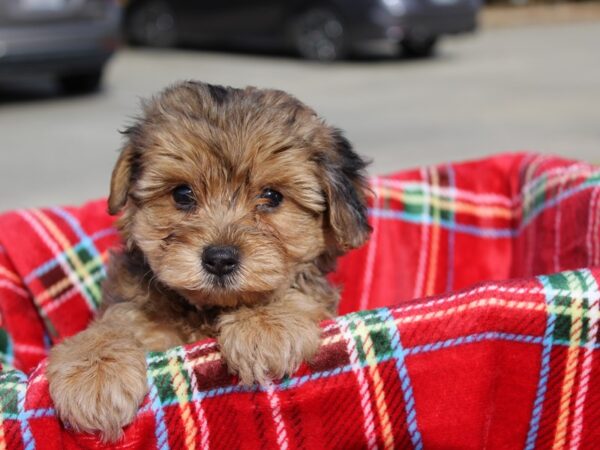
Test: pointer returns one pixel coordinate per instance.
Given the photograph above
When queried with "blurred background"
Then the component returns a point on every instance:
(411, 82)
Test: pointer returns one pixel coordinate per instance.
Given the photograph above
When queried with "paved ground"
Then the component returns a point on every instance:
(503, 89)
(533, 14)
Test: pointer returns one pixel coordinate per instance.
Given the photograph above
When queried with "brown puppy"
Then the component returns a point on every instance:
(236, 203)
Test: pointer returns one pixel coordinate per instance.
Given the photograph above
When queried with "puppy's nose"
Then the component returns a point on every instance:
(220, 260)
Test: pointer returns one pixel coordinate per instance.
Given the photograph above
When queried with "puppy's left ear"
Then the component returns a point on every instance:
(346, 186)
(120, 181)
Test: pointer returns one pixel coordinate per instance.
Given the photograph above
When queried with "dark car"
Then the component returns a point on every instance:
(71, 40)
(322, 30)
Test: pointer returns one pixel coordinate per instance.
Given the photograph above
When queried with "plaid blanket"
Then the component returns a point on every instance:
(471, 320)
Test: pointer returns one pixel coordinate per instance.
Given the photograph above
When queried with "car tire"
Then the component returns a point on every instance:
(81, 83)
(319, 34)
(151, 23)
(419, 48)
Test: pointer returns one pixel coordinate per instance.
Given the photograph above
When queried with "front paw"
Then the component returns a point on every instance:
(97, 382)
(260, 348)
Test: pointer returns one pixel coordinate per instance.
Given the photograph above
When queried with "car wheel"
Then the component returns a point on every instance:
(151, 23)
(319, 34)
(80, 83)
(419, 47)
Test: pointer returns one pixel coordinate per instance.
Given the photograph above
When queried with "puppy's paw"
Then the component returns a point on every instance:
(97, 381)
(260, 348)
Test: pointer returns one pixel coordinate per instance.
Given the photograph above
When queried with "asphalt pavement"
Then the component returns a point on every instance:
(530, 88)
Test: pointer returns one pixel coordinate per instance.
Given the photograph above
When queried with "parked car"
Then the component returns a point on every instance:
(71, 40)
(321, 30)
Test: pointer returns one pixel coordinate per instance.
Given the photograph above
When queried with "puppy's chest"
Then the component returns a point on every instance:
(200, 325)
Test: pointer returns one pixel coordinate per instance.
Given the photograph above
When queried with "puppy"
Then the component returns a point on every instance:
(235, 205)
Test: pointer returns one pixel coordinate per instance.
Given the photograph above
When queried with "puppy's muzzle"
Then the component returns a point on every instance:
(220, 260)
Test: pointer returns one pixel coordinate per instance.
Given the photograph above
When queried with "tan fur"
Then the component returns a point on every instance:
(227, 145)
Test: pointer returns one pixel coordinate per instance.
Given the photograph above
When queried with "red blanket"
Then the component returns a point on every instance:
(511, 362)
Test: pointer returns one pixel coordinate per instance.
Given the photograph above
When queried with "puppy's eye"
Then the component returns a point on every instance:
(272, 197)
(184, 197)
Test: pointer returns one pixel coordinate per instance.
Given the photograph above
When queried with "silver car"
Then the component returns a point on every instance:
(71, 40)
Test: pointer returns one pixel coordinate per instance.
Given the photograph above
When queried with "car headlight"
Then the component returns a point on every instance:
(396, 7)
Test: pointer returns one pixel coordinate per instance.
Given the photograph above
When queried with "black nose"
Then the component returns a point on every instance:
(220, 259)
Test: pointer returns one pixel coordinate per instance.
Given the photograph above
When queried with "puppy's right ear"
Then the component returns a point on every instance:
(121, 179)
(346, 188)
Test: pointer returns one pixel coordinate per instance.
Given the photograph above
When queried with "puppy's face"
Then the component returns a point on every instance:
(229, 192)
